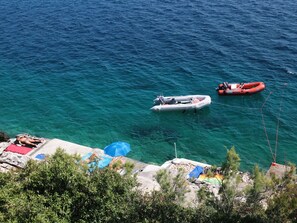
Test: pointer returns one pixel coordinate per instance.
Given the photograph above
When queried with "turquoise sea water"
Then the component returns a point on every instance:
(88, 71)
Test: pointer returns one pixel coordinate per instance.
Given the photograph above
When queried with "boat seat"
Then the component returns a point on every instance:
(185, 102)
(233, 86)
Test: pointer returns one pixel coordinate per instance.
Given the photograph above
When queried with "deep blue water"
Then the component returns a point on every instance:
(87, 72)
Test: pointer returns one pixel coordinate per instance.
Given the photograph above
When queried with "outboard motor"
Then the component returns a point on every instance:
(225, 85)
(221, 87)
(162, 101)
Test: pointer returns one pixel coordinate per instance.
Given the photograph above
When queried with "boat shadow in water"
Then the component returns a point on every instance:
(201, 117)
(154, 133)
(203, 111)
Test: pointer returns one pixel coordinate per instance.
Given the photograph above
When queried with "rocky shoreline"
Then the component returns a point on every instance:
(210, 179)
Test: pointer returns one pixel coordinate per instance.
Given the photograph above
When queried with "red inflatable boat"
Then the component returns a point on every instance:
(240, 88)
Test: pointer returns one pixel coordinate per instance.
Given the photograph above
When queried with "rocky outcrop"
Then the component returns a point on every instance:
(3, 137)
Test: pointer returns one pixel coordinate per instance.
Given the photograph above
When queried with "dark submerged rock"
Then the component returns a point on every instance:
(3, 137)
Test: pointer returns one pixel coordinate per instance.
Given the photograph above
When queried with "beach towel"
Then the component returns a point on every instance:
(18, 149)
(14, 159)
(3, 146)
(216, 180)
(196, 172)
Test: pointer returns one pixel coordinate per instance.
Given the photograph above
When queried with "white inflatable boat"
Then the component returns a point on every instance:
(174, 103)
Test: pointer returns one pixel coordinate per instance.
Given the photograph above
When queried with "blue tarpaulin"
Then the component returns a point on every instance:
(196, 172)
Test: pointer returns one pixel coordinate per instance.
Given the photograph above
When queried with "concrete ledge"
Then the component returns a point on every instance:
(50, 147)
(278, 170)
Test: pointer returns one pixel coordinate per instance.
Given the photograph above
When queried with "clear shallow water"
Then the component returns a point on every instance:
(87, 72)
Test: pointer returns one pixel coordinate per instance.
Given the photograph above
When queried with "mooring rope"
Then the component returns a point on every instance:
(263, 121)
(277, 127)
(264, 126)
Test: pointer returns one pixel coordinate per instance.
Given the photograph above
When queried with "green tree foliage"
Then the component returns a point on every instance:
(207, 207)
(228, 204)
(128, 167)
(154, 208)
(172, 189)
(252, 210)
(283, 207)
(60, 189)
(165, 205)
(283, 204)
(232, 163)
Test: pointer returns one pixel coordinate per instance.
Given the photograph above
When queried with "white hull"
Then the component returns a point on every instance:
(182, 103)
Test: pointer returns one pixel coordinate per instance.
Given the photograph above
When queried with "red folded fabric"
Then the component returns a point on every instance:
(18, 149)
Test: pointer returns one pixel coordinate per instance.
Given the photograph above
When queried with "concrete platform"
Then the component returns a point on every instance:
(50, 147)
